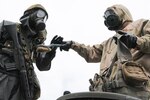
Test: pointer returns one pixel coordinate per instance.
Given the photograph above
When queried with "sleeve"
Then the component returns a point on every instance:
(143, 42)
(43, 60)
(89, 53)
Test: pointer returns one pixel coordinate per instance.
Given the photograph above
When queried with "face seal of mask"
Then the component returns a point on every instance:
(34, 20)
(112, 20)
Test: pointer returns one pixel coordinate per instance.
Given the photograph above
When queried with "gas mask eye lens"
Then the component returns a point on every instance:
(41, 14)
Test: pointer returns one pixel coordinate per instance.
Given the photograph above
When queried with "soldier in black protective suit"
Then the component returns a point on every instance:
(21, 45)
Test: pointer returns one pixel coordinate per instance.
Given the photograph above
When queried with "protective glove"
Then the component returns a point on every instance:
(66, 45)
(50, 55)
(128, 40)
(56, 40)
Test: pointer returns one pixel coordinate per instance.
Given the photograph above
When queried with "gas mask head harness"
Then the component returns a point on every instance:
(34, 20)
(112, 20)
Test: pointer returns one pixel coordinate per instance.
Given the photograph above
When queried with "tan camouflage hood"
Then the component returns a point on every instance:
(122, 12)
(36, 6)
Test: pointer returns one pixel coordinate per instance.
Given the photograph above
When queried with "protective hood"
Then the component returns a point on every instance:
(34, 7)
(122, 12)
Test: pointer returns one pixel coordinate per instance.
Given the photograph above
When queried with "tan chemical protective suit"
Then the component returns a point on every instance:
(104, 52)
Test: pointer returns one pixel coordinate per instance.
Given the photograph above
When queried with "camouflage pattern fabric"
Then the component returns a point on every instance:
(104, 52)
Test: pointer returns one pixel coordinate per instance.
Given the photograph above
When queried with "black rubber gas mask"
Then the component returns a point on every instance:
(34, 20)
(112, 20)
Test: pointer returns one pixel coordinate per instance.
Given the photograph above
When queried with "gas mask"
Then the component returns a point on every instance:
(112, 20)
(34, 20)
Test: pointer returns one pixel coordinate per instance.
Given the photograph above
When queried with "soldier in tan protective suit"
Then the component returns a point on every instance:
(136, 38)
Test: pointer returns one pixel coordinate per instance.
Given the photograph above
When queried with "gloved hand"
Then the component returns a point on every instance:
(128, 40)
(51, 54)
(56, 40)
(66, 45)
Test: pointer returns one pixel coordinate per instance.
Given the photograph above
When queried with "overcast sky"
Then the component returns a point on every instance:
(78, 20)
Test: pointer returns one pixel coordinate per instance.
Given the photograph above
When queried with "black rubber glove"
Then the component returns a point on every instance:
(50, 55)
(56, 40)
(128, 40)
(66, 45)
